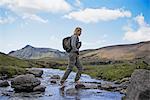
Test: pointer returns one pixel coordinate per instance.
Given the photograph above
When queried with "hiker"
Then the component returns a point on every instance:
(73, 57)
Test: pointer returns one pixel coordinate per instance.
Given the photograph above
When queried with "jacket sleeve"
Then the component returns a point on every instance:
(73, 43)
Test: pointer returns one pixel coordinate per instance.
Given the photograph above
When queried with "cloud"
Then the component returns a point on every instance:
(6, 20)
(89, 15)
(34, 17)
(140, 34)
(32, 7)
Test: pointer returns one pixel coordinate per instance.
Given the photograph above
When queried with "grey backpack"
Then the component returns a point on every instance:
(67, 44)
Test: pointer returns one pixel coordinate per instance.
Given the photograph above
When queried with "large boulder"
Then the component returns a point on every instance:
(25, 83)
(139, 87)
(35, 72)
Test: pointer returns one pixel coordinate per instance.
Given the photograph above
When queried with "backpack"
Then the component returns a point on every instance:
(67, 44)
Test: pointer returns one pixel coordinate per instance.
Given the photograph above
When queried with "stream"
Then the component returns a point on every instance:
(53, 91)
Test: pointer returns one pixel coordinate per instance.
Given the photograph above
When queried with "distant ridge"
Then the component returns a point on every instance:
(115, 52)
(30, 52)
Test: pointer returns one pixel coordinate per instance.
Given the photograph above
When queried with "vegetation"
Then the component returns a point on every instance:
(11, 66)
(11, 70)
(114, 71)
(111, 72)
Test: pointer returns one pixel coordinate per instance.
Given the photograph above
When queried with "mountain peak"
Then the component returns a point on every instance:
(28, 46)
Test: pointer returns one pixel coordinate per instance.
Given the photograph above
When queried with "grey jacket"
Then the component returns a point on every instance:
(75, 43)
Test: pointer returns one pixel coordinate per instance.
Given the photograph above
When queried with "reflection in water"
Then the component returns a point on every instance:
(62, 91)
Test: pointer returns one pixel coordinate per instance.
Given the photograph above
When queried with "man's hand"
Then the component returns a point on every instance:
(77, 52)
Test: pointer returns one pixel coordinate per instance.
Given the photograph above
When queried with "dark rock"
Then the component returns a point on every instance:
(139, 87)
(36, 72)
(124, 85)
(117, 82)
(6, 94)
(4, 83)
(93, 82)
(71, 92)
(53, 81)
(90, 86)
(107, 86)
(3, 77)
(55, 77)
(123, 91)
(25, 83)
(79, 86)
(40, 88)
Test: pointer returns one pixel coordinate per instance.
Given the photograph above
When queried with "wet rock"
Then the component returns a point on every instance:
(25, 83)
(107, 86)
(4, 83)
(122, 80)
(36, 72)
(3, 77)
(6, 94)
(40, 88)
(91, 86)
(71, 92)
(123, 91)
(124, 85)
(139, 87)
(125, 79)
(117, 82)
(53, 81)
(93, 82)
(79, 86)
(55, 77)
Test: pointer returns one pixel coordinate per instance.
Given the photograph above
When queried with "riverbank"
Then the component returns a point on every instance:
(111, 72)
(53, 90)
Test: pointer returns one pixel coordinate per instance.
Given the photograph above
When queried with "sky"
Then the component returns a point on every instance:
(44, 23)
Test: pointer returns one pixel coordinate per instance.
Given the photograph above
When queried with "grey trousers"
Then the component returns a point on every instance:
(73, 61)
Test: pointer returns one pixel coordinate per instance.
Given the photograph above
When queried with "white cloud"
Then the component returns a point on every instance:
(94, 15)
(140, 34)
(32, 7)
(34, 17)
(6, 20)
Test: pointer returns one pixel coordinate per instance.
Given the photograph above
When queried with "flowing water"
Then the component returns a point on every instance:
(53, 91)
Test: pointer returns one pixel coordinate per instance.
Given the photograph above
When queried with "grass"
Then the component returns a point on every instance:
(11, 66)
(11, 70)
(113, 72)
(110, 72)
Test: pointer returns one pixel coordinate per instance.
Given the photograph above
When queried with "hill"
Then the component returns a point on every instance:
(30, 52)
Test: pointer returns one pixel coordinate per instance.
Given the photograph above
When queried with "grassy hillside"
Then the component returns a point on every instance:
(12, 66)
(118, 52)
